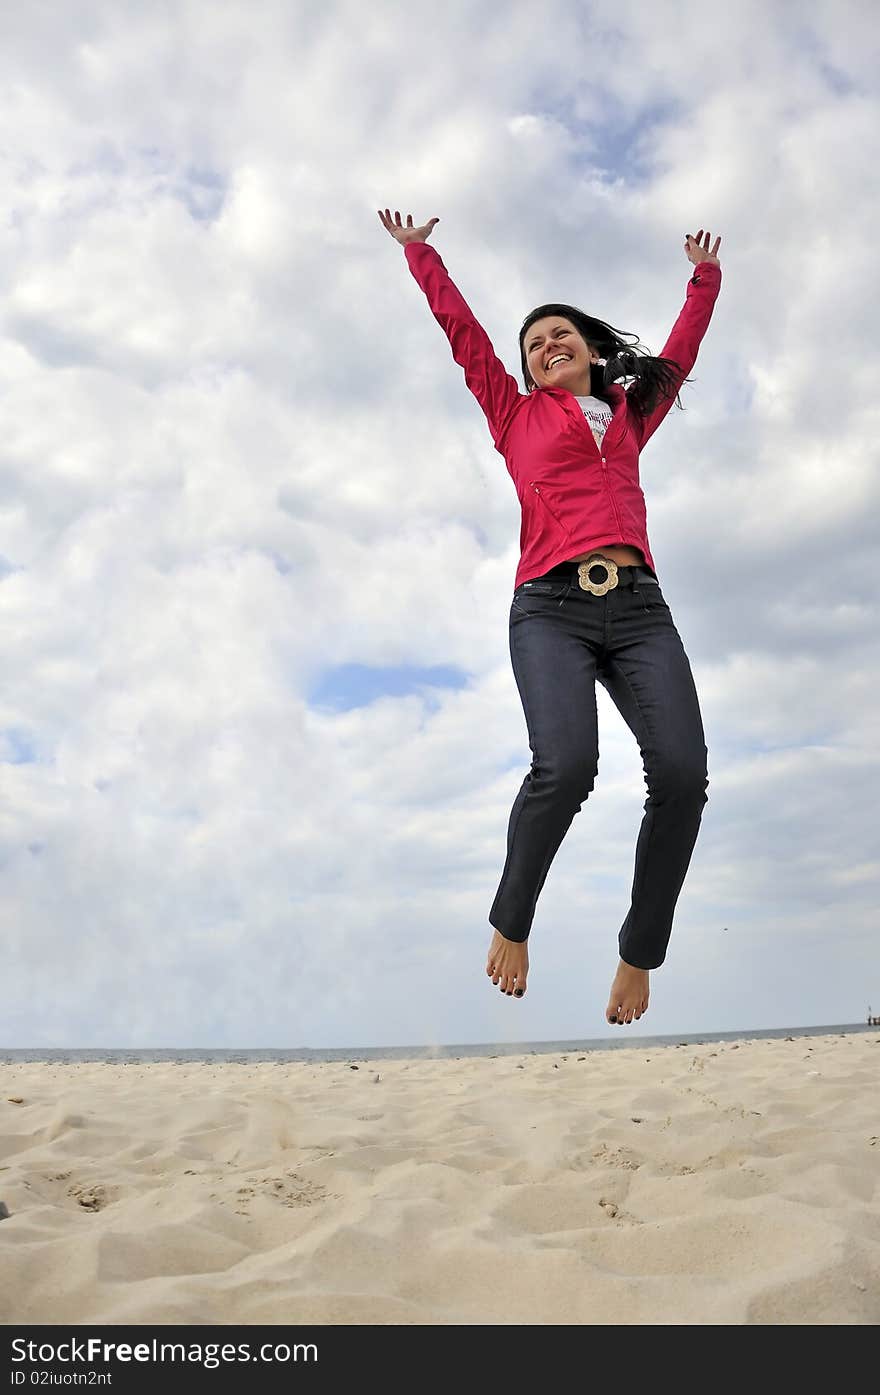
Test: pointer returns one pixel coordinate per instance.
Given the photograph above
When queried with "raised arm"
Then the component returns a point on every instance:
(693, 321)
(494, 388)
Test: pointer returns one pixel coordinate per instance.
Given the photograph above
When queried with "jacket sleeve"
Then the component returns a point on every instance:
(685, 339)
(494, 388)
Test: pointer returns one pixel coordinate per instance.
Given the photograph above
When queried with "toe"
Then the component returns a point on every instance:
(616, 1006)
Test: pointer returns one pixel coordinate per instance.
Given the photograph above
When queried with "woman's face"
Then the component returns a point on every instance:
(547, 340)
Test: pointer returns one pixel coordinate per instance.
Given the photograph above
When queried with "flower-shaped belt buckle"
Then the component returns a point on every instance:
(598, 588)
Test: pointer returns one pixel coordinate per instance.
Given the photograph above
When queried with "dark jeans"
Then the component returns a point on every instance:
(562, 639)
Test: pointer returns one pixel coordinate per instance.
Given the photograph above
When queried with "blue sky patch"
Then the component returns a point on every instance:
(614, 145)
(348, 686)
(16, 747)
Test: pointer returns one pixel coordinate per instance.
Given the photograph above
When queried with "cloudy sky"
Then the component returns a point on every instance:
(259, 731)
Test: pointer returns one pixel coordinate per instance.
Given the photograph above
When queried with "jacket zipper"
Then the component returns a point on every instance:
(533, 483)
(611, 495)
(608, 488)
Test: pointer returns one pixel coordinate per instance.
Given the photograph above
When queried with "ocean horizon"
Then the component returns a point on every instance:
(427, 1051)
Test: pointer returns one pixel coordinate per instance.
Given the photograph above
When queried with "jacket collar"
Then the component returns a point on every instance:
(615, 392)
(567, 400)
(569, 403)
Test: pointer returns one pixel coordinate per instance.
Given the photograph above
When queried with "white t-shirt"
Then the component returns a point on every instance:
(598, 414)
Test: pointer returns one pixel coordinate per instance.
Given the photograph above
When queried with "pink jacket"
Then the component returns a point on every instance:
(574, 496)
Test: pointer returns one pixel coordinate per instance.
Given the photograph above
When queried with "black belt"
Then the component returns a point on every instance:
(600, 574)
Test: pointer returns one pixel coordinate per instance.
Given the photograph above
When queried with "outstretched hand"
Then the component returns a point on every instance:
(409, 233)
(697, 252)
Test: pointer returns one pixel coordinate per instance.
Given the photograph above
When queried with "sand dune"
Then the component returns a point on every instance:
(734, 1182)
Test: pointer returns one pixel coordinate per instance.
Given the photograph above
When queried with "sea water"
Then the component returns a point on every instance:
(249, 1055)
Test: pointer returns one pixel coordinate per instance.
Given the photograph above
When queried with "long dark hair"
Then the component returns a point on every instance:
(655, 377)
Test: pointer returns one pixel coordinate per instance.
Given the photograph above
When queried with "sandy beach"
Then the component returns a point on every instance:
(733, 1182)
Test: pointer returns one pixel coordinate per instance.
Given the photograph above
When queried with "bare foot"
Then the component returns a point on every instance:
(508, 964)
(629, 994)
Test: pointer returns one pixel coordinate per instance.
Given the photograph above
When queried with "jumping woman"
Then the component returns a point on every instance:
(587, 603)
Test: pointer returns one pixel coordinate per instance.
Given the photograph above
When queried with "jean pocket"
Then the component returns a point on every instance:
(652, 599)
(543, 588)
(527, 598)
